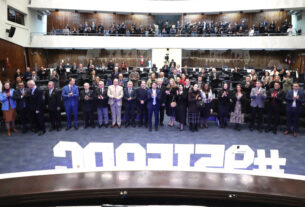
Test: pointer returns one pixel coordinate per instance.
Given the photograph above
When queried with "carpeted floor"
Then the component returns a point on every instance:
(29, 152)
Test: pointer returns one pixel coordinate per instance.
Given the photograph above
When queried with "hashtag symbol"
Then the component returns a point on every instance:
(274, 161)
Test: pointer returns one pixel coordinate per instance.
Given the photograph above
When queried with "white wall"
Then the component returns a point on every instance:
(22, 33)
(180, 6)
(298, 24)
(31, 22)
(158, 56)
(209, 43)
(37, 25)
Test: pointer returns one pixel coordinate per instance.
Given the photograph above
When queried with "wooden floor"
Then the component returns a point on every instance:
(152, 188)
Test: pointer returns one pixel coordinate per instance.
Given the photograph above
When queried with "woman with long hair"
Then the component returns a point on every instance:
(224, 103)
(181, 98)
(194, 96)
(8, 107)
(207, 97)
(238, 107)
(171, 103)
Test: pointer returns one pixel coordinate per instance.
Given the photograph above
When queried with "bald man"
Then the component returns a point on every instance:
(87, 99)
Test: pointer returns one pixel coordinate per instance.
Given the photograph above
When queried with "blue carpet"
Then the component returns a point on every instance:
(29, 152)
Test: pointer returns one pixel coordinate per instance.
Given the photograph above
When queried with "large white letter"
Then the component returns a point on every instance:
(184, 152)
(139, 156)
(107, 151)
(232, 163)
(61, 148)
(216, 152)
(166, 160)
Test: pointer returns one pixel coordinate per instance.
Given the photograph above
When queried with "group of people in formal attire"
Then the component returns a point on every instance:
(163, 27)
(145, 102)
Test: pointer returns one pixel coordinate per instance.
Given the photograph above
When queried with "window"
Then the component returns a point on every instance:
(15, 16)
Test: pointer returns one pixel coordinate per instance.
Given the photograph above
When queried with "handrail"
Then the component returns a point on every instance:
(152, 188)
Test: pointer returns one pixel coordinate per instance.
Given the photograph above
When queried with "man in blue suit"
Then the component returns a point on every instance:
(153, 105)
(70, 96)
(294, 98)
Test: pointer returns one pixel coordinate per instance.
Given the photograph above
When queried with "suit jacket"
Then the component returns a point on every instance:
(258, 100)
(87, 104)
(278, 99)
(21, 102)
(132, 95)
(101, 102)
(142, 95)
(36, 100)
(289, 99)
(163, 95)
(53, 100)
(73, 100)
(150, 100)
(111, 95)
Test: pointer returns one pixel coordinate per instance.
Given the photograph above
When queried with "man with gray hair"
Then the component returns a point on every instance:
(102, 104)
(36, 108)
(130, 104)
(53, 105)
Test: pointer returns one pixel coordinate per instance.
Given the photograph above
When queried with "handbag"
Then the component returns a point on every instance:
(173, 103)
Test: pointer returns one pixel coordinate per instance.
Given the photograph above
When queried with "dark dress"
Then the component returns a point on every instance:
(237, 109)
(224, 104)
(181, 107)
(193, 111)
(170, 111)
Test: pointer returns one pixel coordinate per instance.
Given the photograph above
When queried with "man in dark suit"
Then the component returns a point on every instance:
(36, 108)
(87, 99)
(275, 98)
(102, 104)
(153, 105)
(53, 104)
(130, 97)
(142, 101)
(110, 65)
(294, 99)
(70, 96)
(161, 87)
(21, 98)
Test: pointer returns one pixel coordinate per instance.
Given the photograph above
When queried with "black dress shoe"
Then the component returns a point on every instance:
(267, 130)
(126, 125)
(100, 126)
(24, 131)
(134, 125)
(260, 130)
(161, 124)
(106, 125)
(251, 129)
(274, 132)
(150, 129)
(51, 129)
(76, 127)
(58, 129)
(85, 127)
(92, 126)
(67, 128)
(156, 128)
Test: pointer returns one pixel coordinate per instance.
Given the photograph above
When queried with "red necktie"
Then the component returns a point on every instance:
(274, 95)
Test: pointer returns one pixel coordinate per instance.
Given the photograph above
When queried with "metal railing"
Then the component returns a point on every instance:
(167, 35)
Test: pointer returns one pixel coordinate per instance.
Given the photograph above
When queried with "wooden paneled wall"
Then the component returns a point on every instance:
(58, 20)
(240, 58)
(51, 58)
(251, 18)
(12, 57)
